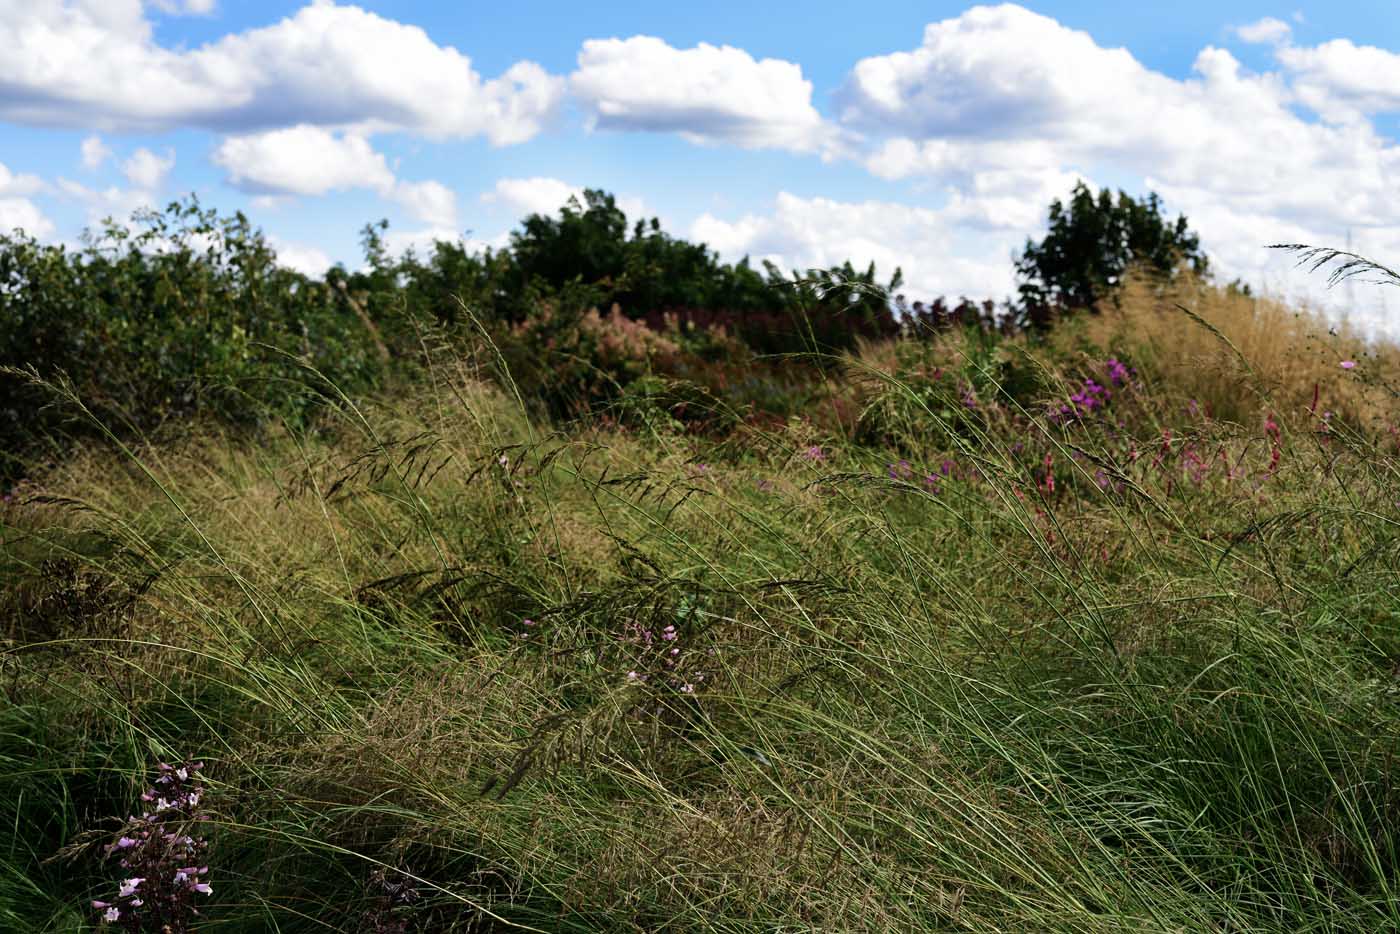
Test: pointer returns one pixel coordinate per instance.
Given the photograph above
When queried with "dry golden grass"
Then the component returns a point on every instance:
(1291, 352)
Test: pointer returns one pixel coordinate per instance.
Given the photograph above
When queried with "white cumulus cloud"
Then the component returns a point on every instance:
(927, 244)
(431, 202)
(987, 103)
(185, 7)
(23, 214)
(305, 259)
(101, 203)
(146, 170)
(13, 185)
(1267, 31)
(302, 160)
(707, 94)
(532, 195)
(96, 64)
(1342, 81)
(308, 160)
(95, 152)
(17, 211)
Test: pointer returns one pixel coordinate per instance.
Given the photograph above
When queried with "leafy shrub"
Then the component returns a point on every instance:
(573, 359)
(947, 387)
(187, 314)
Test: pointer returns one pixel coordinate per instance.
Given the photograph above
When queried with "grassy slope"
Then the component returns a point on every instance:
(1165, 705)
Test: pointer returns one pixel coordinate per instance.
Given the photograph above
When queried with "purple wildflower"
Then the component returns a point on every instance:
(900, 471)
(158, 855)
(1348, 364)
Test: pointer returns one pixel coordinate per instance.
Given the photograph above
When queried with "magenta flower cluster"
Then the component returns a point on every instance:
(932, 479)
(661, 658)
(160, 857)
(1092, 396)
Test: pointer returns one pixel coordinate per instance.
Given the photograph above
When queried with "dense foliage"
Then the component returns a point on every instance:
(1091, 243)
(586, 257)
(185, 314)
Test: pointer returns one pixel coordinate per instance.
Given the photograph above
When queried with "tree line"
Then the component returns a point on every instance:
(185, 312)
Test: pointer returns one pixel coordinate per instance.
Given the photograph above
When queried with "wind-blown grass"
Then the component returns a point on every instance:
(1130, 668)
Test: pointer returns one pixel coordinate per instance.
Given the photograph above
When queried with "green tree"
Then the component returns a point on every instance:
(181, 313)
(586, 247)
(1090, 244)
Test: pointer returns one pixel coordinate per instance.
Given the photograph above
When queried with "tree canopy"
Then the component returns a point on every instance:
(1091, 242)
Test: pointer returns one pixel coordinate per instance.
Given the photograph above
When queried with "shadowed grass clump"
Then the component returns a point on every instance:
(1035, 646)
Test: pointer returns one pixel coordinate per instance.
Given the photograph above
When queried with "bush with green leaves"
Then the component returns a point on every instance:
(185, 314)
(589, 253)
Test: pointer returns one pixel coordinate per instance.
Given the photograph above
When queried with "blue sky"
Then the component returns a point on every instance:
(928, 135)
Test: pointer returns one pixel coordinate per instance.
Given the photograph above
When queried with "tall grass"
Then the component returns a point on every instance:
(1244, 355)
(1091, 676)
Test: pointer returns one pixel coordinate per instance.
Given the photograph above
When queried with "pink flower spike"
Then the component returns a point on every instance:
(1348, 364)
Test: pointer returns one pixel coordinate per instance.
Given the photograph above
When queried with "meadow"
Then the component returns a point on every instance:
(1093, 631)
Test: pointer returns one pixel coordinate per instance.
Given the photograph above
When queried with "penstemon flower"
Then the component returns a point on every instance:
(159, 857)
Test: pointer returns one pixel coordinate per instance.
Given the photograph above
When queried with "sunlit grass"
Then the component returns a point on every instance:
(1130, 670)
